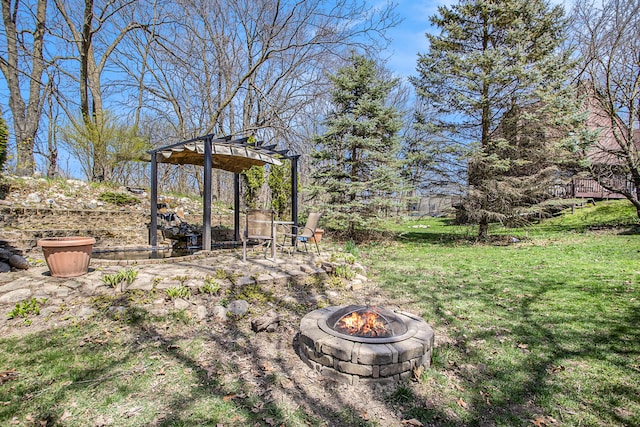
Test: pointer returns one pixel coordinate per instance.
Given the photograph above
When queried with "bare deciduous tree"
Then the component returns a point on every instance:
(247, 67)
(95, 33)
(608, 36)
(22, 64)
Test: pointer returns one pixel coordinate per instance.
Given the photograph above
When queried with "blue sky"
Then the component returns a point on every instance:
(408, 38)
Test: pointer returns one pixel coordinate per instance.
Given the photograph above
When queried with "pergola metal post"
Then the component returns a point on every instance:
(153, 225)
(294, 196)
(206, 209)
(236, 207)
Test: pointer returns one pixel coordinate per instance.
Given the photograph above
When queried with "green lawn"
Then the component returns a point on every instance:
(544, 330)
(539, 326)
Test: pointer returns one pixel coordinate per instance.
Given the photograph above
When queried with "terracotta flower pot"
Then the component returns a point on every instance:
(67, 256)
(317, 236)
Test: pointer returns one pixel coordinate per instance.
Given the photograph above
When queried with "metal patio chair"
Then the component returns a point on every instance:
(259, 227)
(305, 234)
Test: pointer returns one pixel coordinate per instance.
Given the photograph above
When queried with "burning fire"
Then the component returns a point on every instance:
(367, 324)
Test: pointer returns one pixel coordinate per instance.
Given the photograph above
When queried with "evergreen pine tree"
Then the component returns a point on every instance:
(497, 78)
(357, 170)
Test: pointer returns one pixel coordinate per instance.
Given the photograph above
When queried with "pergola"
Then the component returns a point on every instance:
(226, 153)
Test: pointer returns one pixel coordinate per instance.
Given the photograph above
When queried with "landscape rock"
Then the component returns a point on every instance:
(268, 322)
(4, 267)
(238, 307)
(48, 310)
(193, 283)
(219, 313)
(5, 254)
(19, 262)
(328, 267)
(85, 312)
(33, 198)
(355, 285)
(245, 280)
(181, 304)
(361, 278)
(117, 310)
(15, 296)
(201, 312)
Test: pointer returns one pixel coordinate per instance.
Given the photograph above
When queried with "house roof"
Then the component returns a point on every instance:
(233, 155)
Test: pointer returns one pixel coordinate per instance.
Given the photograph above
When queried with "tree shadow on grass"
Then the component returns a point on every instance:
(498, 370)
(183, 372)
(524, 365)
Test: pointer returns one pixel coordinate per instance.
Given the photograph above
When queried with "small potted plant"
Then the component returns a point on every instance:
(67, 256)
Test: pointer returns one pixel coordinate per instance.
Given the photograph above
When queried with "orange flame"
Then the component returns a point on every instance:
(363, 324)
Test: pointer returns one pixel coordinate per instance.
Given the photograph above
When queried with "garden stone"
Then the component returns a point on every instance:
(85, 312)
(355, 285)
(219, 313)
(359, 267)
(168, 283)
(15, 296)
(245, 280)
(49, 310)
(264, 279)
(360, 277)
(33, 198)
(181, 304)
(117, 310)
(5, 254)
(73, 284)
(4, 267)
(193, 283)
(201, 312)
(238, 307)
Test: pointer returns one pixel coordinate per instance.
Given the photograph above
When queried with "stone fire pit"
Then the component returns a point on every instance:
(359, 344)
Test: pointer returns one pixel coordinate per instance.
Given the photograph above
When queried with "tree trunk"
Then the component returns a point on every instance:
(52, 155)
(483, 229)
(26, 114)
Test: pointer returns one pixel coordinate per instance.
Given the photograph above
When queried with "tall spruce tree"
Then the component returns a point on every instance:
(496, 76)
(357, 170)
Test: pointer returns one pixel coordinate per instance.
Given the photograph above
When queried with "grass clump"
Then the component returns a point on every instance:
(344, 271)
(25, 308)
(180, 291)
(119, 199)
(351, 248)
(253, 293)
(127, 276)
(210, 286)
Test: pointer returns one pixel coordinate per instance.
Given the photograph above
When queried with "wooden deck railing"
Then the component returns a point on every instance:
(586, 187)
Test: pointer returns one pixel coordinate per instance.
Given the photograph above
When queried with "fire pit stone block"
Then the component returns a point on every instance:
(335, 347)
(372, 354)
(352, 362)
(409, 349)
(354, 368)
